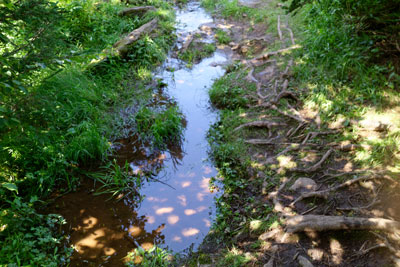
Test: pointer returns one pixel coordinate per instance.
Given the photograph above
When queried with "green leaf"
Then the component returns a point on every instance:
(10, 186)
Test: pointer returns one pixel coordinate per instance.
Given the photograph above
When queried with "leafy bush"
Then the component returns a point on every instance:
(29, 238)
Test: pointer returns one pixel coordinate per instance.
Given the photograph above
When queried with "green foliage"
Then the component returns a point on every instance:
(233, 258)
(222, 37)
(29, 238)
(56, 117)
(196, 52)
(117, 180)
(159, 126)
(229, 91)
(231, 9)
(154, 257)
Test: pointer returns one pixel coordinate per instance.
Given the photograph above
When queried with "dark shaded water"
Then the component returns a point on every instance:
(176, 215)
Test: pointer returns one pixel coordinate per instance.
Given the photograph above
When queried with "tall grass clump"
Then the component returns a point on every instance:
(349, 49)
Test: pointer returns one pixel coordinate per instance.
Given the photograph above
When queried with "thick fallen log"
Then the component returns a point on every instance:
(121, 47)
(135, 10)
(301, 223)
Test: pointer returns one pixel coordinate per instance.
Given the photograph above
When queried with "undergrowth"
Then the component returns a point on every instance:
(57, 117)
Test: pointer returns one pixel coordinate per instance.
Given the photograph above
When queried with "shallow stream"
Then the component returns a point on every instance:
(177, 213)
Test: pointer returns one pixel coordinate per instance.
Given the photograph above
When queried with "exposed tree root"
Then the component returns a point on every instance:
(284, 94)
(316, 166)
(279, 28)
(135, 10)
(266, 124)
(268, 54)
(324, 223)
(272, 106)
(325, 193)
(291, 36)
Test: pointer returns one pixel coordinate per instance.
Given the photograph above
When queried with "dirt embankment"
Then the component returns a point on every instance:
(324, 208)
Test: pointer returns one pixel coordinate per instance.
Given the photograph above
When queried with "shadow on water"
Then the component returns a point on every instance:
(176, 216)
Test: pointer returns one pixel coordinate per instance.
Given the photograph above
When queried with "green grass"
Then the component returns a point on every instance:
(196, 53)
(159, 126)
(222, 37)
(230, 90)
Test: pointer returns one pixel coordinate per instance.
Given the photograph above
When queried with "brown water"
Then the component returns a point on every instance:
(174, 214)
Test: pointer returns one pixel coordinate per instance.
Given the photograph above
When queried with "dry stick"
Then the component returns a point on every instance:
(279, 27)
(266, 124)
(325, 193)
(323, 223)
(134, 10)
(318, 164)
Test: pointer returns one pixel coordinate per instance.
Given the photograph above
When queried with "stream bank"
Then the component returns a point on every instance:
(301, 176)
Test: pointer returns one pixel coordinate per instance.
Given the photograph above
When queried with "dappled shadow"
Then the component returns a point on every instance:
(102, 231)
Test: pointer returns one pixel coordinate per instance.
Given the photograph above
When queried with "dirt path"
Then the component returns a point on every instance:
(329, 211)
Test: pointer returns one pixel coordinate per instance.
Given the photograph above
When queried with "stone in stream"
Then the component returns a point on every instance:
(304, 184)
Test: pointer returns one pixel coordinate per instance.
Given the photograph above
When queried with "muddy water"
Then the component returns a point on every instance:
(175, 213)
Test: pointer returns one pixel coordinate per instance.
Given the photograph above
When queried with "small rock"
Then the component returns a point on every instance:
(306, 184)
(244, 49)
(315, 254)
(304, 262)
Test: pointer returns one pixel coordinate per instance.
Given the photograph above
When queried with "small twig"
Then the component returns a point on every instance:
(309, 210)
(159, 181)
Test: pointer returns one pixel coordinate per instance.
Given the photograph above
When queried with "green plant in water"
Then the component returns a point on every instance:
(159, 127)
(154, 257)
(118, 181)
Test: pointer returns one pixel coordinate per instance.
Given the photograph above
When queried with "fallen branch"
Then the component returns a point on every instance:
(135, 10)
(121, 47)
(301, 223)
